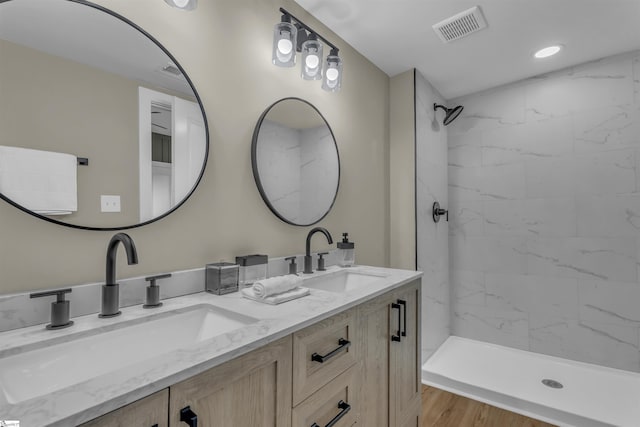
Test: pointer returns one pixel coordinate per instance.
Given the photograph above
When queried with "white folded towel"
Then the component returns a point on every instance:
(277, 298)
(42, 181)
(276, 285)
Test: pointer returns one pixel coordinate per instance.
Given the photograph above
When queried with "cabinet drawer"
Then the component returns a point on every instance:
(323, 351)
(336, 401)
(147, 412)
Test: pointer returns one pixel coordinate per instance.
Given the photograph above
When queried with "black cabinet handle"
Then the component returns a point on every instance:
(398, 337)
(342, 345)
(189, 417)
(341, 405)
(403, 303)
(155, 425)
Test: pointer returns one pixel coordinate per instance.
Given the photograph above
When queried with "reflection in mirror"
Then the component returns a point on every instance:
(77, 81)
(295, 162)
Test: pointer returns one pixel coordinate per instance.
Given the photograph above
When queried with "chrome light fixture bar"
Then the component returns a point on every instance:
(302, 38)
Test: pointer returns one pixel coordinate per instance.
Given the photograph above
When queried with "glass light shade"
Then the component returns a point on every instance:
(333, 74)
(183, 4)
(284, 44)
(311, 64)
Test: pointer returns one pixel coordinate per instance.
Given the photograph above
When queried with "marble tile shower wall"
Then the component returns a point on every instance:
(281, 146)
(544, 195)
(318, 170)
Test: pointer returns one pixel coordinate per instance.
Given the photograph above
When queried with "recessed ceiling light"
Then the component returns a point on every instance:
(547, 51)
(183, 4)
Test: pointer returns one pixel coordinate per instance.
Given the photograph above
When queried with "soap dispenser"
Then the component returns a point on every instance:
(346, 251)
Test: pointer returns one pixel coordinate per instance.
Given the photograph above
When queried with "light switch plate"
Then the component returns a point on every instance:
(109, 203)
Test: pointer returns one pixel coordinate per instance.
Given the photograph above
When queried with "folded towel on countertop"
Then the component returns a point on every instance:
(276, 285)
(277, 298)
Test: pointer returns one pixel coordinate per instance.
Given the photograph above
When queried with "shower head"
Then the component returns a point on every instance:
(450, 113)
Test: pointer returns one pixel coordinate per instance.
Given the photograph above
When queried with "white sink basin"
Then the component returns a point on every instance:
(342, 281)
(41, 371)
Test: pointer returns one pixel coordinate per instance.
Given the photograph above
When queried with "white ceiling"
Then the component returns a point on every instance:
(89, 36)
(396, 35)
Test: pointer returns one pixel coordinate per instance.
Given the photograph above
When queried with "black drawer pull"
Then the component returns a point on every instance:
(342, 345)
(155, 425)
(397, 338)
(189, 417)
(341, 405)
(403, 303)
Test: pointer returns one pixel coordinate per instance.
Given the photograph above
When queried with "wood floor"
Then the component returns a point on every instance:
(444, 409)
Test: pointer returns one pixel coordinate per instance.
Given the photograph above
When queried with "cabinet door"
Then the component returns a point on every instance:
(251, 390)
(374, 327)
(412, 419)
(148, 412)
(405, 354)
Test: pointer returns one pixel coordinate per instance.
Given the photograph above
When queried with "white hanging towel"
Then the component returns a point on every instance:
(44, 182)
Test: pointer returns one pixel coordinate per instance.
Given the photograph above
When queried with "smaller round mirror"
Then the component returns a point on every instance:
(295, 162)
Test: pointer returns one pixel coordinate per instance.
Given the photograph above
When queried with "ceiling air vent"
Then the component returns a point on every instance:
(460, 25)
(172, 69)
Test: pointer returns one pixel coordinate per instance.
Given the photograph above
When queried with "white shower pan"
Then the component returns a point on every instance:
(591, 395)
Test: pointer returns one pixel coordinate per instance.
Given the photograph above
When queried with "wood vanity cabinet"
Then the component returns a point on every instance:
(390, 380)
(358, 367)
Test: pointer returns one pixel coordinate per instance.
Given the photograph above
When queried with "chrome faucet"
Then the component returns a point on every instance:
(308, 260)
(110, 290)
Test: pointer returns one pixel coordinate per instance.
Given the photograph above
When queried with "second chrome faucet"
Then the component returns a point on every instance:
(111, 290)
(308, 260)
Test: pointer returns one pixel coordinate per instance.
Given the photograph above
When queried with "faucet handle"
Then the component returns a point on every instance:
(153, 291)
(59, 308)
(321, 261)
(293, 267)
(153, 279)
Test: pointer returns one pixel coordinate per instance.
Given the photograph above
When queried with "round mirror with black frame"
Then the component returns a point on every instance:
(100, 126)
(295, 162)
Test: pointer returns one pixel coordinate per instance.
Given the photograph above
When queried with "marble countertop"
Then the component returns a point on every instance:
(99, 395)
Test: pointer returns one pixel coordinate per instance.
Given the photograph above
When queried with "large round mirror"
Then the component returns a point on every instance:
(295, 162)
(100, 127)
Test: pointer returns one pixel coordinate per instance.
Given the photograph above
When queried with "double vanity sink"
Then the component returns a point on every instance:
(72, 375)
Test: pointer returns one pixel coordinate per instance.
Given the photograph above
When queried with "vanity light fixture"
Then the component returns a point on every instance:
(547, 51)
(287, 37)
(284, 43)
(311, 67)
(183, 4)
(333, 72)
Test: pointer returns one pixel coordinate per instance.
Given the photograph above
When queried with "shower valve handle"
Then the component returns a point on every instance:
(438, 212)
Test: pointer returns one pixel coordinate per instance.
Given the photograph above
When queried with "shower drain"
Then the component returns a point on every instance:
(552, 383)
